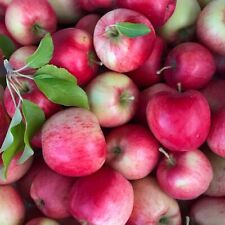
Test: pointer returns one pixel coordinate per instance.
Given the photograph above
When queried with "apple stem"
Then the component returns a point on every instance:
(187, 220)
(179, 87)
(97, 62)
(170, 159)
(164, 68)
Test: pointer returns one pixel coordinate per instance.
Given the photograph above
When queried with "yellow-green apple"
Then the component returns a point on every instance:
(152, 205)
(93, 5)
(132, 150)
(28, 22)
(73, 50)
(117, 51)
(42, 221)
(65, 146)
(185, 175)
(113, 98)
(104, 197)
(179, 120)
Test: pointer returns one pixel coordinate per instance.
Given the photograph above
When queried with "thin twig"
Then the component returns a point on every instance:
(10, 91)
(25, 76)
(13, 85)
(21, 69)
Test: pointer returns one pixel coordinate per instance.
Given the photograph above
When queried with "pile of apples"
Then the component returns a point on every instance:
(127, 112)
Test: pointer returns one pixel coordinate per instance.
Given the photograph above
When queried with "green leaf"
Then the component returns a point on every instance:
(132, 29)
(43, 54)
(34, 118)
(7, 45)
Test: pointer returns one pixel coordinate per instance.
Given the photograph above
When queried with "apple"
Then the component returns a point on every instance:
(93, 5)
(113, 98)
(73, 50)
(158, 12)
(104, 197)
(67, 12)
(180, 26)
(191, 65)
(185, 175)
(210, 26)
(117, 51)
(132, 150)
(3, 5)
(88, 23)
(65, 146)
(36, 140)
(216, 137)
(214, 92)
(50, 192)
(28, 22)
(42, 221)
(180, 121)
(12, 206)
(208, 211)
(146, 75)
(152, 205)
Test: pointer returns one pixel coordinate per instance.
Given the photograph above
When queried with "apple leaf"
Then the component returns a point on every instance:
(43, 54)
(132, 29)
(34, 118)
(6, 45)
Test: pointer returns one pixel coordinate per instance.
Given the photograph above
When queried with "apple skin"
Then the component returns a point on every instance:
(93, 5)
(71, 44)
(193, 66)
(214, 92)
(116, 51)
(22, 18)
(158, 12)
(12, 206)
(88, 23)
(152, 205)
(180, 26)
(65, 146)
(216, 137)
(186, 175)
(212, 35)
(132, 150)
(50, 192)
(33, 94)
(42, 221)
(146, 75)
(104, 197)
(36, 140)
(180, 121)
(113, 98)
(208, 211)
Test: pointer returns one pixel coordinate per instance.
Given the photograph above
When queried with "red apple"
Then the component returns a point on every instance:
(92, 5)
(132, 150)
(117, 51)
(66, 148)
(50, 192)
(152, 205)
(185, 175)
(73, 50)
(208, 211)
(146, 75)
(28, 22)
(158, 12)
(113, 98)
(36, 140)
(42, 221)
(191, 65)
(216, 138)
(180, 121)
(104, 197)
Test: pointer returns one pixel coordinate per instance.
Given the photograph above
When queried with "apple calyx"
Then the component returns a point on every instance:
(126, 98)
(170, 160)
(116, 150)
(40, 203)
(163, 221)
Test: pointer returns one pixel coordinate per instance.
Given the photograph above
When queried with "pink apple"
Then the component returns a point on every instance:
(180, 121)
(73, 50)
(216, 138)
(42, 221)
(28, 22)
(152, 205)
(158, 12)
(210, 26)
(146, 75)
(185, 175)
(132, 150)
(104, 197)
(30, 91)
(192, 66)
(208, 211)
(117, 51)
(73, 143)
(12, 206)
(92, 5)
(113, 98)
